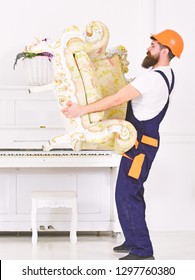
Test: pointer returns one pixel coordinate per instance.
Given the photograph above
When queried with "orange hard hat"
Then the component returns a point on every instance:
(171, 39)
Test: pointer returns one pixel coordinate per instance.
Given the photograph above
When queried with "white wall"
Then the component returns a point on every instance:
(180, 16)
(22, 20)
(170, 191)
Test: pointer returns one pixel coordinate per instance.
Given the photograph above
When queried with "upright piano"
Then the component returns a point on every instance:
(28, 119)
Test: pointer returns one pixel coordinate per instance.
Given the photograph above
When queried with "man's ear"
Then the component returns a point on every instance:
(165, 51)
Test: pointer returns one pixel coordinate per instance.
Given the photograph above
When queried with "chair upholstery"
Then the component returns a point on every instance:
(84, 72)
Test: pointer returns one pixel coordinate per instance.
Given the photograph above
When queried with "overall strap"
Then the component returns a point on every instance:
(170, 87)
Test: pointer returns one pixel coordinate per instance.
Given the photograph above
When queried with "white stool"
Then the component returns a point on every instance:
(54, 200)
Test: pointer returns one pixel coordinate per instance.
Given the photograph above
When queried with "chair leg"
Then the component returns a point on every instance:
(73, 227)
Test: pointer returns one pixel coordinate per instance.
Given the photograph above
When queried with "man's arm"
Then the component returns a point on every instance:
(125, 94)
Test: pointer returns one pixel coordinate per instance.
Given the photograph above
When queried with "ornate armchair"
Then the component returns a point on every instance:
(85, 72)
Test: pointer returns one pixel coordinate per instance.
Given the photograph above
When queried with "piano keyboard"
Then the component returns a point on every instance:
(57, 158)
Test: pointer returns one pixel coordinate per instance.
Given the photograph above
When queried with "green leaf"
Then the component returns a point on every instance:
(23, 55)
(30, 55)
(20, 55)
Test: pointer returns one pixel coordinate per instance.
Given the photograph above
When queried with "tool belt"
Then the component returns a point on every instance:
(137, 161)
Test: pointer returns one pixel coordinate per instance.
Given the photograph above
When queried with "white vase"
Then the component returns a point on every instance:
(38, 70)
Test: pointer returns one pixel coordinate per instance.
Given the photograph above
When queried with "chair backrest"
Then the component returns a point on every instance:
(110, 72)
(95, 71)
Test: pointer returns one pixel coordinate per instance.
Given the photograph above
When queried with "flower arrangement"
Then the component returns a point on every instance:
(37, 70)
(30, 51)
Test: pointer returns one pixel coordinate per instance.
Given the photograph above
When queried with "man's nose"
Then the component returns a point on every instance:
(148, 52)
(148, 49)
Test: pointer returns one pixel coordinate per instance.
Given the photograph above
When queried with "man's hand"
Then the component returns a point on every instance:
(72, 110)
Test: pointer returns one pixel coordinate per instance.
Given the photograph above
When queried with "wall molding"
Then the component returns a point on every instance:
(145, 26)
(147, 12)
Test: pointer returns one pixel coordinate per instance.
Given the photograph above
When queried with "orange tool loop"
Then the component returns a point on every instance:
(149, 141)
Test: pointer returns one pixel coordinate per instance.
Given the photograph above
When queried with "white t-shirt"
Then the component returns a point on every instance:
(154, 93)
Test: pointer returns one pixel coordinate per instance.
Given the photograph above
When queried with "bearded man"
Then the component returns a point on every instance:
(148, 100)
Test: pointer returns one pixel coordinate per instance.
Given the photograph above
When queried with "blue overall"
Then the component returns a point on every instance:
(129, 188)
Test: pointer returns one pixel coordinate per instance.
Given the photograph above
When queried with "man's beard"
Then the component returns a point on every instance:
(150, 60)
